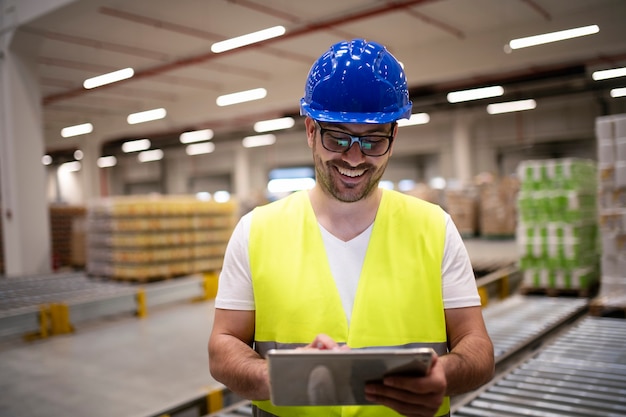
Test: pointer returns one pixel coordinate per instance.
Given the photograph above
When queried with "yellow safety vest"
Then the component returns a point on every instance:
(398, 302)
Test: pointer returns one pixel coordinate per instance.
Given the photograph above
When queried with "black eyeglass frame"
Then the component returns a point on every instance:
(356, 139)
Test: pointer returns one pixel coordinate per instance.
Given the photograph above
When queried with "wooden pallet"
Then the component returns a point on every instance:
(614, 306)
(560, 292)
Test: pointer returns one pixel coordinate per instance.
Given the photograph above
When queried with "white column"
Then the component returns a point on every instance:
(89, 168)
(461, 148)
(25, 216)
(241, 173)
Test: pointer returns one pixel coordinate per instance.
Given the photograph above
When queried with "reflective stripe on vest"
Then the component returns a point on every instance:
(399, 296)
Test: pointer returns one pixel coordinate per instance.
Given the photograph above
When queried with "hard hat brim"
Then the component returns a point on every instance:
(347, 117)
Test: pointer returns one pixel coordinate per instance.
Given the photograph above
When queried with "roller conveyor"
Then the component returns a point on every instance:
(86, 298)
(513, 324)
(520, 321)
(581, 373)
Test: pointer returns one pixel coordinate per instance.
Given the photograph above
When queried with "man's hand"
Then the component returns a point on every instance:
(325, 342)
(411, 396)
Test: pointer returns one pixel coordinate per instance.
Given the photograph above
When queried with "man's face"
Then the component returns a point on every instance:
(350, 175)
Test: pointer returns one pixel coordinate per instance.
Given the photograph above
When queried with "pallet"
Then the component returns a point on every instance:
(608, 306)
(560, 292)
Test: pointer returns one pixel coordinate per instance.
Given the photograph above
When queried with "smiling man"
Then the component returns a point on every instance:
(348, 264)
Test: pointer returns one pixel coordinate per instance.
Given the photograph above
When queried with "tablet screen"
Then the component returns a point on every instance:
(337, 377)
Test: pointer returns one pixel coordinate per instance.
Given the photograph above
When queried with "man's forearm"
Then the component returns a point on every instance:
(241, 369)
(469, 365)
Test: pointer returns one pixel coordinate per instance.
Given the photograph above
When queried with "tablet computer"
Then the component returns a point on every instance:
(337, 377)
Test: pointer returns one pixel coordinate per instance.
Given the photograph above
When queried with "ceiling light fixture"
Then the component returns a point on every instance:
(76, 130)
(46, 159)
(248, 39)
(196, 136)
(274, 124)
(415, 119)
(258, 140)
(475, 94)
(553, 37)
(511, 106)
(136, 145)
(609, 73)
(146, 116)
(106, 161)
(111, 77)
(287, 185)
(72, 166)
(241, 97)
(151, 155)
(78, 154)
(618, 92)
(200, 148)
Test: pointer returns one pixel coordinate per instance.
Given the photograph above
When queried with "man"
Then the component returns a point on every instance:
(348, 263)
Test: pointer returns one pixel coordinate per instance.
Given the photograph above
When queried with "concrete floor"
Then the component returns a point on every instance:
(124, 367)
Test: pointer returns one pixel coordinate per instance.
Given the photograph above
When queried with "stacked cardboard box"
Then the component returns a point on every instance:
(64, 234)
(1, 243)
(462, 205)
(611, 140)
(557, 227)
(498, 208)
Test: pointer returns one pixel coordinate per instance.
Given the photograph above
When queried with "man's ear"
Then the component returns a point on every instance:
(310, 128)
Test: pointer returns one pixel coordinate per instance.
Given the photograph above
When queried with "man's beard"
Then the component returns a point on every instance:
(330, 181)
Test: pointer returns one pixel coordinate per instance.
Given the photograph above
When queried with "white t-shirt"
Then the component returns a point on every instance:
(346, 259)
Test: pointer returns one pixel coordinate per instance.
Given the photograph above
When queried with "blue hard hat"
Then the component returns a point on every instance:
(356, 82)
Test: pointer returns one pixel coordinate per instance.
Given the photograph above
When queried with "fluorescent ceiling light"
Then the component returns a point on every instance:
(76, 130)
(259, 140)
(475, 94)
(610, 73)
(146, 116)
(553, 37)
(287, 185)
(274, 124)
(386, 184)
(221, 196)
(240, 97)
(511, 106)
(406, 185)
(111, 77)
(248, 39)
(151, 155)
(618, 92)
(46, 159)
(438, 183)
(70, 166)
(106, 161)
(203, 196)
(416, 119)
(200, 148)
(136, 145)
(196, 136)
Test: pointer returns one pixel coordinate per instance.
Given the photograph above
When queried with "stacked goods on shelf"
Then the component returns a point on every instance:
(557, 226)
(65, 235)
(143, 238)
(611, 141)
(462, 205)
(498, 208)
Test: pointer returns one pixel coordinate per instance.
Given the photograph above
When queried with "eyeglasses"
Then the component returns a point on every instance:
(340, 142)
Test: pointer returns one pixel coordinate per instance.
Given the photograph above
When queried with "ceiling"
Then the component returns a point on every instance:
(443, 44)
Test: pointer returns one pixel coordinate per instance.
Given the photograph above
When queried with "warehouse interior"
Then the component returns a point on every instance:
(109, 258)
